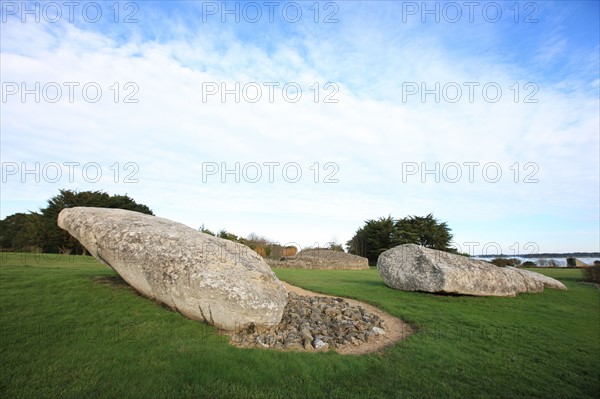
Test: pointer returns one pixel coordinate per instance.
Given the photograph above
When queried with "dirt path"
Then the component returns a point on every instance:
(395, 330)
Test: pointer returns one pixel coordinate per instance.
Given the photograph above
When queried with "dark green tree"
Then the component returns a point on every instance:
(18, 232)
(358, 244)
(377, 236)
(503, 262)
(424, 230)
(53, 239)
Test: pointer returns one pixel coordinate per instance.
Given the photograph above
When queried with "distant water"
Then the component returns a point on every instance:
(561, 262)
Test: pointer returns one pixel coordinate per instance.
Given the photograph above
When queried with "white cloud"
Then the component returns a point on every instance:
(370, 133)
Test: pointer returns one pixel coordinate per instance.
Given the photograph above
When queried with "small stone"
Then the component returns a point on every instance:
(293, 339)
(306, 335)
(378, 331)
(304, 325)
(331, 312)
(308, 346)
(320, 345)
(294, 346)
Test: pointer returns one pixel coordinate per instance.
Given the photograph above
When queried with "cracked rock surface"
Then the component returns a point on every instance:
(203, 277)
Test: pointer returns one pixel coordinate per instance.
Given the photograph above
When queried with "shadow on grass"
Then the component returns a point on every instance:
(382, 284)
(117, 282)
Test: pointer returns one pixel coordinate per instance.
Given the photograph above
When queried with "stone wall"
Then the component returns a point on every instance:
(320, 258)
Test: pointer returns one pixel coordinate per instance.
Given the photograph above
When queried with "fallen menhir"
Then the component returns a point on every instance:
(202, 277)
(410, 267)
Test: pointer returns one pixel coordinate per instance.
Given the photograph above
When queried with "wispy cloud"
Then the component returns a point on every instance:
(370, 134)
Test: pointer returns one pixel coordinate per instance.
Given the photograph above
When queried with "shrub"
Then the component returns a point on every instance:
(529, 263)
(547, 263)
(502, 262)
(592, 274)
(571, 262)
(334, 246)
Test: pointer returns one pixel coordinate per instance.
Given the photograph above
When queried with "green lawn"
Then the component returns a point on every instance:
(65, 332)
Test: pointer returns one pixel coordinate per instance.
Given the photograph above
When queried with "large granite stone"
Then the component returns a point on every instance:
(201, 276)
(411, 267)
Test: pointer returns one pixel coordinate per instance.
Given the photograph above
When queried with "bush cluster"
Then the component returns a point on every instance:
(592, 274)
(503, 262)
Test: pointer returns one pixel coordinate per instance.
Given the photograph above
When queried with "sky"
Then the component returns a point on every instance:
(300, 120)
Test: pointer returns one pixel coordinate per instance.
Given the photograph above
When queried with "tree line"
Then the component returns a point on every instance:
(377, 236)
(259, 244)
(39, 232)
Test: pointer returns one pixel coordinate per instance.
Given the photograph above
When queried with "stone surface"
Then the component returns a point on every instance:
(315, 323)
(411, 267)
(320, 258)
(548, 282)
(201, 276)
(378, 331)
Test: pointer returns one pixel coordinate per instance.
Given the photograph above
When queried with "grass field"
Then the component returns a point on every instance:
(69, 329)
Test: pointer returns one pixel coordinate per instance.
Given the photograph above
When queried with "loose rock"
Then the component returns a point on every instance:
(378, 331)
(321, 328)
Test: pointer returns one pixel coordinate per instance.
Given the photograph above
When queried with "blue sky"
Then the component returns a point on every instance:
(499, 102)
